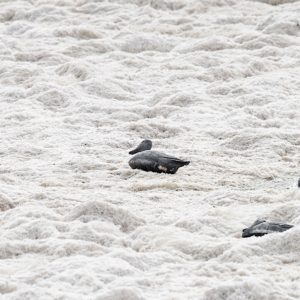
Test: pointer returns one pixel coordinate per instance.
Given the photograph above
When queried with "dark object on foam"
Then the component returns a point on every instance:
(262, 227)
(148, 160)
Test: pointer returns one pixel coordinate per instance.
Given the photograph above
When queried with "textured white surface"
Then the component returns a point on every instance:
(83, 82)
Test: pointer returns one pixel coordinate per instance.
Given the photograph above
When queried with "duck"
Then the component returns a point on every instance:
(148, 160)
(261, 227)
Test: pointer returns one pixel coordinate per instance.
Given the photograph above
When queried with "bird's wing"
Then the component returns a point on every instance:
(168, 159)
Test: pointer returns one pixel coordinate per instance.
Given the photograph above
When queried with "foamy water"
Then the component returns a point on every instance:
(212, 81)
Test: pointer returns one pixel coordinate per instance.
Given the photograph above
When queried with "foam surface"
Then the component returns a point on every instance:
(215, 82)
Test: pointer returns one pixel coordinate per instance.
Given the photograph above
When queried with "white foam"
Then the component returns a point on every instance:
(215, 82)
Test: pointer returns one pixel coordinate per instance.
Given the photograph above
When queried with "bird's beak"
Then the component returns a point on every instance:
(134, 151)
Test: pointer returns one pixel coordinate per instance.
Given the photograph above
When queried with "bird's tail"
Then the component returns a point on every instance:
(180, 162)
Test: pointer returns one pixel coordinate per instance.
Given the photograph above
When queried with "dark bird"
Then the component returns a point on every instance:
(148, 160)
(262, 227)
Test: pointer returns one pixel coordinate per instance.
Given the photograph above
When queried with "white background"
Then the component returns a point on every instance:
(212, 81)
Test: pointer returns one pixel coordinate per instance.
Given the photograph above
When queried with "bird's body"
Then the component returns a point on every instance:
(154, 161)
(262, 227)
